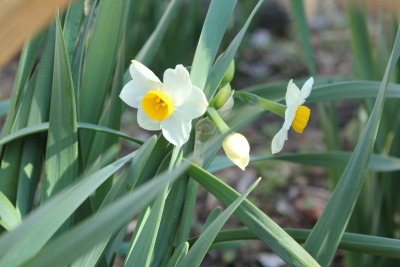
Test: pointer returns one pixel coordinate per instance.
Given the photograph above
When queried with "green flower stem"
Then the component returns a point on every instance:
(255, 100)
(217, 120)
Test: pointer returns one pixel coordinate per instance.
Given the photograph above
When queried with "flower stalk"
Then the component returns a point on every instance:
(255, 100)
(218, 121)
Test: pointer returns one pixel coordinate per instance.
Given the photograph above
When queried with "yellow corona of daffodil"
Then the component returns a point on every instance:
(295, 114)
(170, 106)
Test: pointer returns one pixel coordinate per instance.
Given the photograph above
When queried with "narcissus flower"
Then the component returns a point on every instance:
(237, 149)
(295, 114)
(170, 106)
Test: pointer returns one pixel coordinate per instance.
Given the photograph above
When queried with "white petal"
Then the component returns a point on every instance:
(138, 70)
(134, 91)
(306, 90)
(177, 84)
(292, 94)
(176, 129)
(194, 106)
(278, 141)
(290, 114)
(146, 122)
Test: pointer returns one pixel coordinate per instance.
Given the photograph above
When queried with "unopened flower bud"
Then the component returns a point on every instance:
(230, 72)
(237, 149)
(223, 95)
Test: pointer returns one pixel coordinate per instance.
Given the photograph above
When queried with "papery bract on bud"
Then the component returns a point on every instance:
(170, 106)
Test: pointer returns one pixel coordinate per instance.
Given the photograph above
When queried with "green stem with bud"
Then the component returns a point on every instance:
(217, 120)
(257, 101)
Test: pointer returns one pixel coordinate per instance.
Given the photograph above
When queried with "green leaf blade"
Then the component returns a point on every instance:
(325, 237)
(200, 248)
(267, 230)
(61, 167)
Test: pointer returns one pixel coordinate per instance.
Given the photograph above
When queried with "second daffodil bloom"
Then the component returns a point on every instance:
(170, 106)
(295, 114)
(237, 149)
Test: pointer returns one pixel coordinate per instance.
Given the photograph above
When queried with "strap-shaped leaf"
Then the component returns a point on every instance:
(373, 245)
(27, 239)
(218, 70)
(333, 160)
(61, 165)
(265, 228)
(200, 248)
(43, 127)
(218, 16)
(328, 91)
(98, 69)
(72, 26)
(9, 217)
(325, 237)
(74, 243)
(179, 254)
(123, 185)
(142, 251)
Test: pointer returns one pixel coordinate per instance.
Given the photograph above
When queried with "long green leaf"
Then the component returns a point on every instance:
(148, 50)
(24, 69)
(31, 161)
(12, 153)
(214, 27)
(29, 173)
(170, 221)
(95, 229)
(325, 237)
(27, 239)
(142, 252)
(266, 229)
(200, 248)
(9, 216)
(179, 254)
(380, 246)
(304, 32)
(98, 69)
(331, 91)
(123, 185)
(332, 160)
(61, 166)
(218, 70)
(111, 119)
(77, 62)
(146, 53)
(360, 41)
(72, 26)
(213, 215)
(43, 127)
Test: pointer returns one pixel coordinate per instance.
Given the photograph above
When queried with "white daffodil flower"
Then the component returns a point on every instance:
(295, 114)
(237, 149)
(170, 106)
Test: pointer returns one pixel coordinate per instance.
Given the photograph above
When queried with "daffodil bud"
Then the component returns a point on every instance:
(222, 97)
(230, 72)
(237, 149)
